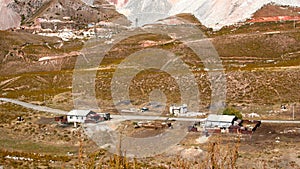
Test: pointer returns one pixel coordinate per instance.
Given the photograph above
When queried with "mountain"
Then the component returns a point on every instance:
(8, 17)
(212, 13)
(141, 12)
(275, 10)
(216, 14)
(17, 12)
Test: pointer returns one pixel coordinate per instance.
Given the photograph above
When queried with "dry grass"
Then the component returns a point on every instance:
(217, 156)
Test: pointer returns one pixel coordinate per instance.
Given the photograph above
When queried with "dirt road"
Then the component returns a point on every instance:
(33, 106)
(125, 117)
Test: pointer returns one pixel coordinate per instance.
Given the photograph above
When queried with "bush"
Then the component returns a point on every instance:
(232, 111)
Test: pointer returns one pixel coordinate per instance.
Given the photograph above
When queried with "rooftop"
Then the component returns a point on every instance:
(223, 121)
(220, 118)
(79, 112)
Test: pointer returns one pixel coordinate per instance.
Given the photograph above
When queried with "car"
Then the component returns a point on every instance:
(144, 109)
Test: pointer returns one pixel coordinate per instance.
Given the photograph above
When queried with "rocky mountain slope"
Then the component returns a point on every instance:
(8, 17)
(26, 12)
(141, 12)
(212, 13)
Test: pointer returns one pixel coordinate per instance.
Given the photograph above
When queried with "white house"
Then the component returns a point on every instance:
(78, 116)
(177, 110)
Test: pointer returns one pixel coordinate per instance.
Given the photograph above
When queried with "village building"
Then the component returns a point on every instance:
(177, 110)
(83, 116)
(220, 121)
(80, 116)
(230, 124)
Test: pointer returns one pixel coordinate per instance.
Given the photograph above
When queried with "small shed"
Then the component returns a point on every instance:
(177, 110)
(78, 116)
(220, 121)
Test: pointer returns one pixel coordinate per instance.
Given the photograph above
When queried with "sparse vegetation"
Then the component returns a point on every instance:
(216, 156)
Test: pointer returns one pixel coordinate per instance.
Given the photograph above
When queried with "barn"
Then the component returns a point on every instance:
(220, 121)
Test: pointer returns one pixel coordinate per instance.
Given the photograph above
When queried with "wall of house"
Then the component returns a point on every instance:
(178, 110)
(79, 119)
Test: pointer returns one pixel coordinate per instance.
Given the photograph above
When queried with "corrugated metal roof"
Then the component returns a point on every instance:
(220, 118)
(214, 120)
(79, 112)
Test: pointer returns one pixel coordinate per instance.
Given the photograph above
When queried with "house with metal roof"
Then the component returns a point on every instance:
(220, 121)
(79, 116)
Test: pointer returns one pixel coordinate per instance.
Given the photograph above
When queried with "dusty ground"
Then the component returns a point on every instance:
(127, 128)
(271, 146)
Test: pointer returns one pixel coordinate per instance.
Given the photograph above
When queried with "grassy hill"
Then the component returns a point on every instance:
(262, 67)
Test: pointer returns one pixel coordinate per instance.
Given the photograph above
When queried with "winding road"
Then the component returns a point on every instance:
(33, 106)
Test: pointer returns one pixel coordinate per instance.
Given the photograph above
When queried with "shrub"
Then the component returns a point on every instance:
(232, 111)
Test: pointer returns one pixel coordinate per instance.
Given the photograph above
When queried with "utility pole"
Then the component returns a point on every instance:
(293, 111)
(294, 18)
(136, 22)
(294, 22)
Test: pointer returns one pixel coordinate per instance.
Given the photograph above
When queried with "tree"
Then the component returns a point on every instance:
(232, 111)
